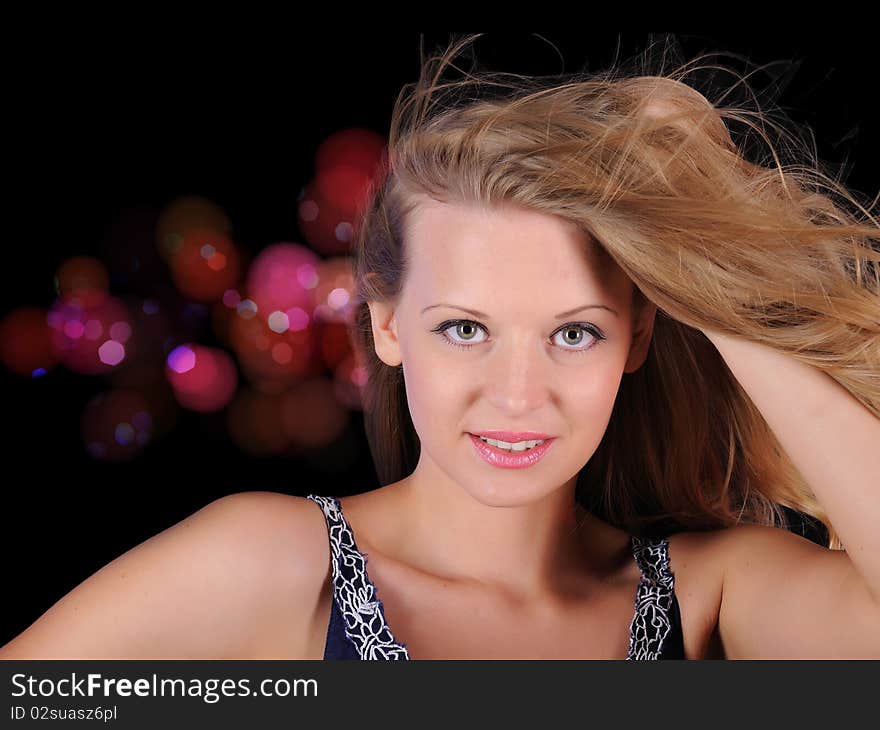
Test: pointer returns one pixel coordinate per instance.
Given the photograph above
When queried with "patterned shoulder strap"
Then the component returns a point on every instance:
(353, 591)
(652, 621)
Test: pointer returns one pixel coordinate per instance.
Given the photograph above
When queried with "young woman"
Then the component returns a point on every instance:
(603, 351)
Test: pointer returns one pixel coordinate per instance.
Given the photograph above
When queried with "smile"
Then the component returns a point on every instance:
(517, 446)
(516, 456)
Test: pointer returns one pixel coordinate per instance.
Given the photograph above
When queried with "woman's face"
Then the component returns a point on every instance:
(521, 364)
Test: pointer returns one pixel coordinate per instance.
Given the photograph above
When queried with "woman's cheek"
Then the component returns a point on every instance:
(592, 402)
(431, 389)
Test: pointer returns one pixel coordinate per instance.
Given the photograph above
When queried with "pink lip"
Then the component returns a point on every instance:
(512, 437)
(509, 459)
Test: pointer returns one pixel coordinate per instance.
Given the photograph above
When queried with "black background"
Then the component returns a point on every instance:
(103, 119)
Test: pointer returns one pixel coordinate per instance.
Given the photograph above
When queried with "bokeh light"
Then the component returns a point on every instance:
(265, 354)
(355, 147)
(25, 345)
(150, 322)
(349, 380)
(346, 163)
(204, 265)
(148, 379)
(117, 425)
(325, 227)
(335, 344)
(186, 214)
(311, 415)
(344, 189)
(84, 279)
(334, 293)
(203, 378)
(282, 276)
(330, 207)
(254, 423)
(282, 363)
(79, 334)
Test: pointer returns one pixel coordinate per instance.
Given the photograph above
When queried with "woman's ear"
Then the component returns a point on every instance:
(643, 329)
(385, 338)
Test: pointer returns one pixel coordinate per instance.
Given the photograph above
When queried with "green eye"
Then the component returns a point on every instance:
(577, 340)
(459, 324)
(462, 326)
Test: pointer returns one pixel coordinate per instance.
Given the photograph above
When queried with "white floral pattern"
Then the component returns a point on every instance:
(354, 592)
(652, 621)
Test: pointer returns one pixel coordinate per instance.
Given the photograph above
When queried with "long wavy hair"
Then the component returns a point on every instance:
(775, 250)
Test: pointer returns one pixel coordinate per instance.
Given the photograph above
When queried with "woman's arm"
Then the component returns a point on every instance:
(227, 582)
(782, 594)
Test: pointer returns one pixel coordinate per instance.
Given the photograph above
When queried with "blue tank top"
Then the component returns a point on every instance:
(358, 629)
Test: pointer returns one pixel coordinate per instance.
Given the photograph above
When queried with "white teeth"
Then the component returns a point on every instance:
(520, 446)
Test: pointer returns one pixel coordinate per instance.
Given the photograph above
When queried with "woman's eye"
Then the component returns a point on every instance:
(574, 336)
(464, 329)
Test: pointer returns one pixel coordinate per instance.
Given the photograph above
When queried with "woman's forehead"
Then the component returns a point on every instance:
(454, 244)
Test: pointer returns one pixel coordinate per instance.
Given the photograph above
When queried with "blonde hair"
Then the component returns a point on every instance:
(780, 254)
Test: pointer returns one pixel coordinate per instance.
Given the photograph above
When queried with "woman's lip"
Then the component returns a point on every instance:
(510, 459)
(512, 437)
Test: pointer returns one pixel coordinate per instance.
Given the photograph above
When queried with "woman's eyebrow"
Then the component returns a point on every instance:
(563, 315)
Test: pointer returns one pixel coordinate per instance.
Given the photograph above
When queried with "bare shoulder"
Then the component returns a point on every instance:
(290, 528)
(696, 559)
(239, 576)
(289, 555)
(775, 594)
(786, 597)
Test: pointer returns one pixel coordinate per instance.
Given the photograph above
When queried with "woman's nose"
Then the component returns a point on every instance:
(518, 377)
